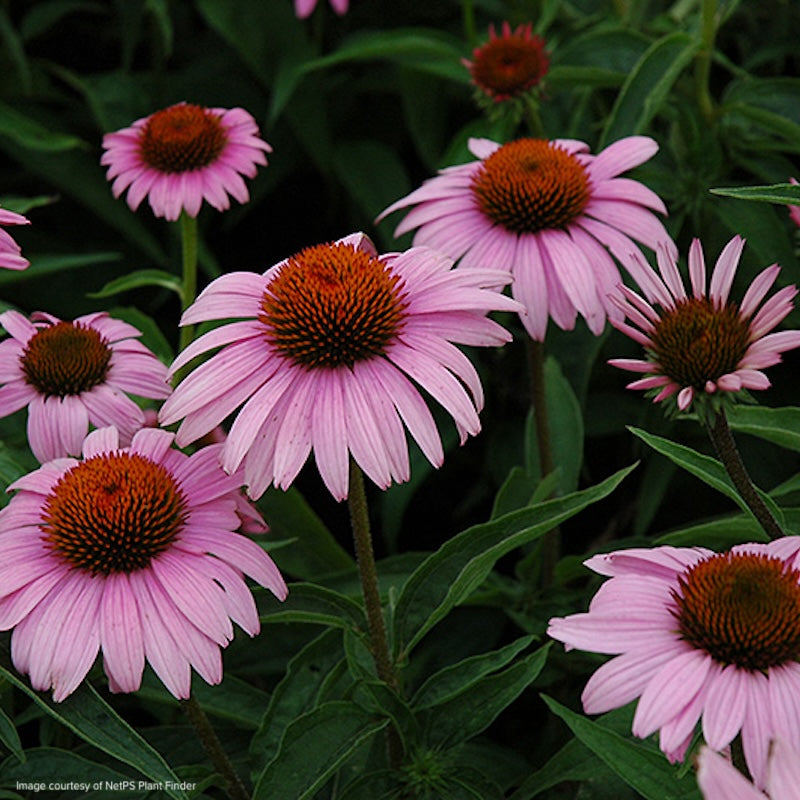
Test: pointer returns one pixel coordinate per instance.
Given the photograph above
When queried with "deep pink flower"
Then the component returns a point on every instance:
(508, 65)
(182, 155)
(304, 8)
(720, 780)
(321, 359)
(548, 213)
(73, 374)
(130, 551)
(697, 634)
(10, 251)
(704, 343)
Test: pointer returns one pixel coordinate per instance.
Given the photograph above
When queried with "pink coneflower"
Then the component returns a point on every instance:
(508, 65)
(304, 8)
(321, 359)
(704, 343)
(720, 780)
(182, 155)
(73, 374)
(10, 251)
(130, 551)
(697, 634)
(544, 211)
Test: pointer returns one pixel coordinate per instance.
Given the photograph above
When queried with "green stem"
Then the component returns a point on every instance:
(468, 13)
(702, 70)
(725, 445)
(189, 276)
(533, 119)
(368, 572)
(219, 758)
(551, 543)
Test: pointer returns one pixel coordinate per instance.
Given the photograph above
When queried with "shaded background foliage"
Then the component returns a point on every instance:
(359, 110)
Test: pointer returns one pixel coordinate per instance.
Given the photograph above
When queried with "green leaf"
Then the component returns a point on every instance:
(87, 715)
(141, 277)
(648, 772)
(422, 49)
(708, 469)
(51, 263)
(314, 552)
(10, 738)
(297, 692)
(314, 604)
(778, 193)
(573, 762)
(32, 135)
(50, 764)
(475, 708)
(448, 576)
(780, 426)
(313, 747)
(717, 534)
(43, 16)
(648, 85)
(10, 470)
(450, 681)
(15, 52)
(772, 103)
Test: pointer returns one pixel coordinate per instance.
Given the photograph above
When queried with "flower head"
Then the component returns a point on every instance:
(10, 251)
(182, 155)
(73, 374)
(720, 780)
(304, 8)
(131, 551)
(508, 65)
(321, 359)
(697, 634)
(704, 343)
(546, 212)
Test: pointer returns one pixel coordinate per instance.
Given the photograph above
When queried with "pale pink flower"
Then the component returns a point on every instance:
(73, 374)
(720, 780)
(321, 355)
(304, 8)
(10, 251)
(182, 155)
(698, 636)
(131, 551)
(703, 342)
(548, 213)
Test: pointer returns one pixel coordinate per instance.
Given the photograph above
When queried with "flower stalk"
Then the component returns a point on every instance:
(725, 446)
(708, 32)
(368, 572)
(216, 752)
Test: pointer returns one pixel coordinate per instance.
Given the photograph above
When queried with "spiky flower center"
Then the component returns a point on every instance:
(508, 65)
(113, 513)
(696, 342)
(742, 609)
(531, 185)
(65, 358)
(332, 305)
(181, 138)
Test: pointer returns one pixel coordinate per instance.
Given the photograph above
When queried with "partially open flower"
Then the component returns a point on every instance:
(794, 211)
(508, 65)
(304, 8)
(10, 251)
(704, 343)
(182, 155)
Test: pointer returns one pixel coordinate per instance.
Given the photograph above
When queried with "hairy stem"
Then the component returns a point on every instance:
(368, 572)
(551, 543)
(725, 445)
(219, 758)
